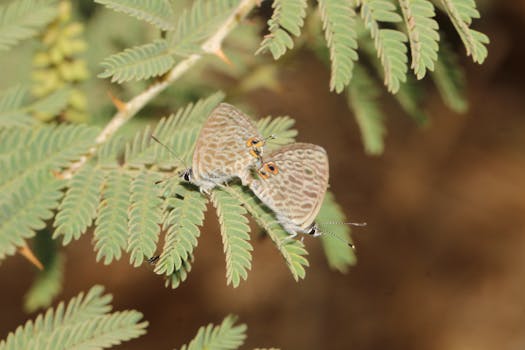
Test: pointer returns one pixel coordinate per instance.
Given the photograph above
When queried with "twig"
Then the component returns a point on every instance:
(130, 108)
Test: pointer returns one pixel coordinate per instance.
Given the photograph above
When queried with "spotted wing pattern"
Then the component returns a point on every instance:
(223, 150)
(292, 182)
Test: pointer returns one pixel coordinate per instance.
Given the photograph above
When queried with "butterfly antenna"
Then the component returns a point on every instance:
(331, 234)
(358, 224)
(169, 150)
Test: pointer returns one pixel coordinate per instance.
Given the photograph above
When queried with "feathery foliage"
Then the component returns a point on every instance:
(138, 63)
(30, 191)
(450, 80)
(13, 112)
(362, 98)
(186, 213)
(389, 43)
(288, 17)
(144, 215)
(341, 36)
(111, 232)
(156, 12)
(225, 336)
(235, 236)
(461, 13)
(79, 206)
(85, 323)
(180, 275)
(423, 34)
(292, 251)
(339, 255)
(22, 19)
(197, 24)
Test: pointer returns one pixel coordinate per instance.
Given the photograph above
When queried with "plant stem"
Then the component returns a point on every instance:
(129, 109)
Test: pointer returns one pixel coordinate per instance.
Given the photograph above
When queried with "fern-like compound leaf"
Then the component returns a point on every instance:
(341, 36)
(461, 13)
(423, 34)
(11, 111)
(339, 255)
(180, 275)
(292, 250)
(288, 17)
(235, 236)
(389, 43)
(25, 210)
(225, 336)
(111, 232)
(362, 96)
(280, 127)
(185, 215)
(22, 19)
(449, 78)
(79, 207)
(85, 323)
(138, 63)
(156, 12)
(198, 23)
(144, 217)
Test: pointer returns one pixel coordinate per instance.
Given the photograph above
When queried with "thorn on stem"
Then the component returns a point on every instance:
(27, 253)
(119, 104)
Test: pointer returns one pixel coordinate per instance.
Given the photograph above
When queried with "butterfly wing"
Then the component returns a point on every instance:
(221, 151)
(295, 191)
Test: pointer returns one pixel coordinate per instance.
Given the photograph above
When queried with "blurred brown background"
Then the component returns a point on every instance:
(441, 264)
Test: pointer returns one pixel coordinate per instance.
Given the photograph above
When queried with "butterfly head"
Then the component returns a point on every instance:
(187, 174)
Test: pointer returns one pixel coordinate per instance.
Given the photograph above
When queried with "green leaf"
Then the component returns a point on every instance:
(293, 250)
(185, 213)
(235, 236)
(226, 336)
(53, 103)
(288, 17)
(341, 36)
(461, 13)
(22, 19)
(422, 34)
(79, 207)
(198, 23)
(180, 275)
(24, 211)
(51, 148)
(280, 127)
(11, 111)
(389, 43)
(85, 323)
(156, 12)
(339, 255)
(111, 232)
(363, 98)
(449, 78)
(138, 63)
(144, 218)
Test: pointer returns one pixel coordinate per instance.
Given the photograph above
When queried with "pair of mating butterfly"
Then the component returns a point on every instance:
(291, 181)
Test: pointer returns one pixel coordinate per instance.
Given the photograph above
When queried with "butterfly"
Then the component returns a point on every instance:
(229, 145)
(292, 182)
